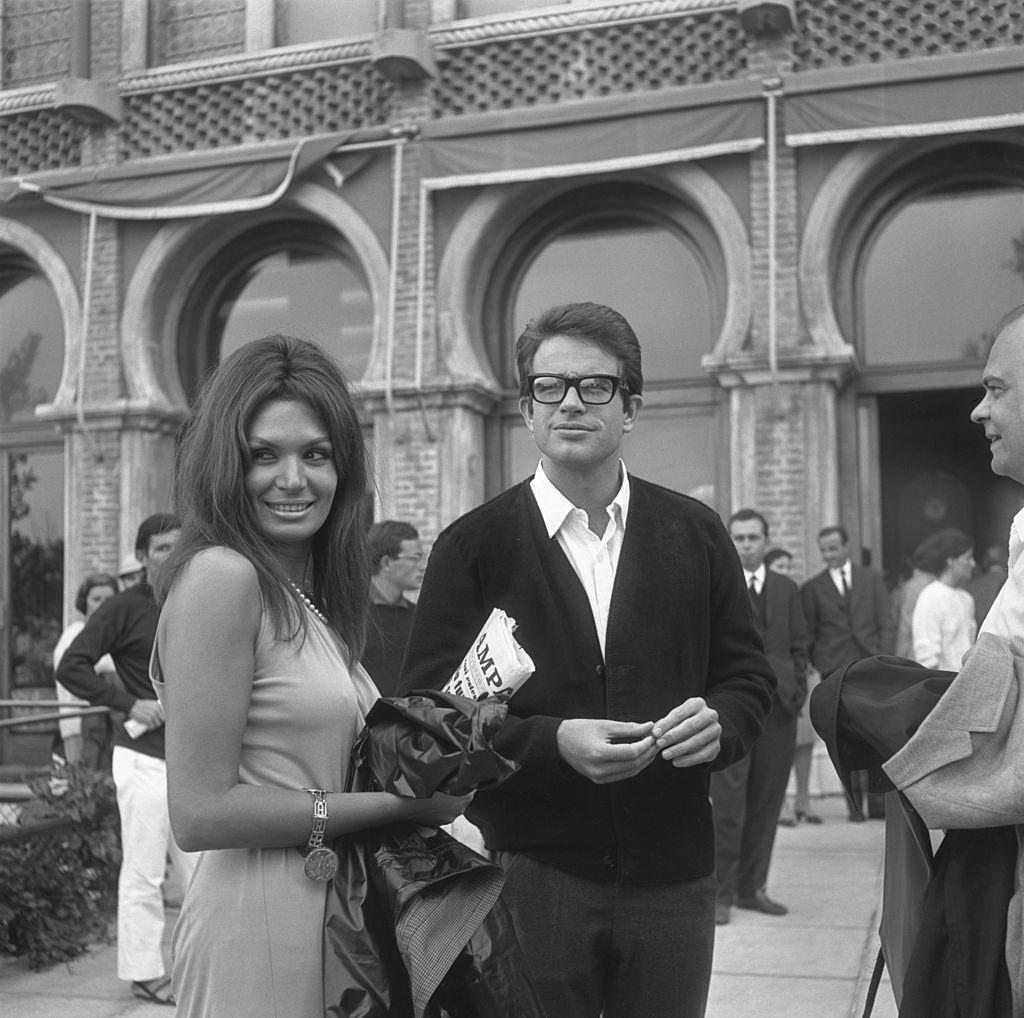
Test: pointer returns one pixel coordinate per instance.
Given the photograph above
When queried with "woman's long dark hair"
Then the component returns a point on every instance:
(209, 483)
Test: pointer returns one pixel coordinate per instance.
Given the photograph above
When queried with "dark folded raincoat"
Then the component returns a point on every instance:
(943, 923)
(414, 925)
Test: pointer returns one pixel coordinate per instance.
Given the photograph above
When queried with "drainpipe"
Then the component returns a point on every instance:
(772, 88)
(389, 337)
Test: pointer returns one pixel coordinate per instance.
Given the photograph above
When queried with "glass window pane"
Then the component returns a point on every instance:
(646, 272)
(33, 343)
(481, 8)
(314, 20)
(36, 549)
(314, 295)
(939, 276)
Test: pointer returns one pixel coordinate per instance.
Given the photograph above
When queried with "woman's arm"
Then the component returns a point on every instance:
(206, 642)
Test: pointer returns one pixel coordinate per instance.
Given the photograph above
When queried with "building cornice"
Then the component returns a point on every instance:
(504, 26)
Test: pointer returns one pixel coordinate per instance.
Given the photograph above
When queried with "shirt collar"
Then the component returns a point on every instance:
(757, 576)
(844, 570)
(555, 507)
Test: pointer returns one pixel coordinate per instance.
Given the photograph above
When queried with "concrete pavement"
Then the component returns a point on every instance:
(814, 962)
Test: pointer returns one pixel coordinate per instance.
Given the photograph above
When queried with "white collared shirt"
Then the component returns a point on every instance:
(757, 576)
(1006, 616)
(840, 574)
(595, 560)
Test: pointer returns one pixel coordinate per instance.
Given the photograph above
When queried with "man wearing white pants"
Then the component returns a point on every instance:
(124, 627)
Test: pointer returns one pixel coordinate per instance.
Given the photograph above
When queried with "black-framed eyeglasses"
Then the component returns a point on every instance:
(595, 390)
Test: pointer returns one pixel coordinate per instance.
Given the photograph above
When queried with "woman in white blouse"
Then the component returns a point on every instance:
(943, 624)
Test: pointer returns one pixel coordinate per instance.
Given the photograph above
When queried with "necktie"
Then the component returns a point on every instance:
(846, 587)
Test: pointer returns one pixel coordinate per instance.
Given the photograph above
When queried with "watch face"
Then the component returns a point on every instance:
(321, 864)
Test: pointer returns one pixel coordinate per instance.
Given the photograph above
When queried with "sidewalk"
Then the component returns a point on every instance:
(813, 963)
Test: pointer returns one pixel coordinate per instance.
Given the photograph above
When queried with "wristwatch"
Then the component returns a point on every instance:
(321, 862)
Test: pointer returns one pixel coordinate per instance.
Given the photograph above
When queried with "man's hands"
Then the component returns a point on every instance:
(148, 713)
(689, 734)
(606, 751)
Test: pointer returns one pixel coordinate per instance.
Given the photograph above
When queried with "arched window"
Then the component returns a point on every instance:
(655, 261)
(298, 278)
(31, 478)
(942, 258)
(33, 347)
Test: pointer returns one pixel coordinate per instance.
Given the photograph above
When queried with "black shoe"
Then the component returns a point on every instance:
(808, 818)
(788, 821)
(760, 902)
(722, 915)
(855, 816)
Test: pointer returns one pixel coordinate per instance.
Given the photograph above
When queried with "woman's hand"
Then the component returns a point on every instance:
(438, 809)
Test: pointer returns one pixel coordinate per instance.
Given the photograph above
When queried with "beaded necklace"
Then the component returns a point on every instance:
(308, 602)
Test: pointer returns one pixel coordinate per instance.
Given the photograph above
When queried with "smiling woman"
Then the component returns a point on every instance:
(257, 664)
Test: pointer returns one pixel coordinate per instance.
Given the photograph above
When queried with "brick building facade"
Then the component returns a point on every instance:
(758, 186)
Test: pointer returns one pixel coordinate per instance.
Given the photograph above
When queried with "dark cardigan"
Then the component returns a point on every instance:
(680, 626)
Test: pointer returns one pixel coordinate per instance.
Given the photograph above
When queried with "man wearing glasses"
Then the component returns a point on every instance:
(631, 601)
(396, 558)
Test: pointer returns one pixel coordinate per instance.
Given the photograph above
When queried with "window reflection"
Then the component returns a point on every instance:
(33, 341)
(943, 268)
(298, 278)
(315, 295)
(315, 20)
(646, 272)
(35, 546)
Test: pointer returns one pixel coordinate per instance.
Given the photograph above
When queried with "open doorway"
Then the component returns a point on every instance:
(935, 472)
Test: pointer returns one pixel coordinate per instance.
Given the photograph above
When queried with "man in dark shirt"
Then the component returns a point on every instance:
(396, 557)
(124, 627)
(630, 600)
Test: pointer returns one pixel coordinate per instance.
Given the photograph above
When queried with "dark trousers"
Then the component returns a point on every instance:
(610, 949)
(747, 799)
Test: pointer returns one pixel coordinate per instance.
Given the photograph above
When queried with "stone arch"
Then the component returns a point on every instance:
(491, 219)
(58, 274)
(171, 263)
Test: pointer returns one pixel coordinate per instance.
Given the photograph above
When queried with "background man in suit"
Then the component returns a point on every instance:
(396, 557)
(649, 673)
(748, 796)
(849, 617)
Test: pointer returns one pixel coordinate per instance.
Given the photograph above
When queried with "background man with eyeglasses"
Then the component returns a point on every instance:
(631, 601)
(396, 557)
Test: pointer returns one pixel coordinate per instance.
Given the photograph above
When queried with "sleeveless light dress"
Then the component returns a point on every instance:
(249, 939)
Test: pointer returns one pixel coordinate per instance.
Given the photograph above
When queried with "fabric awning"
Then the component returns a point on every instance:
(214, 182)
(593, 136)
(914, 98)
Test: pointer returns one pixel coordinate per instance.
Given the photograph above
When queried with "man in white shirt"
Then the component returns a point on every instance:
(1001, 414)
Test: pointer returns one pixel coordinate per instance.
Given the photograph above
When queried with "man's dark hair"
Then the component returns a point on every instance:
(92, 581)
(774, 554)
(593, 323)
(158, 523)
(834, 528)
(385, 538)
(935, 551)
(743, 515)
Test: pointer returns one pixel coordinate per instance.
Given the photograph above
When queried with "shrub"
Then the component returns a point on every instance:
(58, 883)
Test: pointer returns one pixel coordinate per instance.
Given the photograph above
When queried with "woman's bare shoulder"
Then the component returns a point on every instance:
(215, 576)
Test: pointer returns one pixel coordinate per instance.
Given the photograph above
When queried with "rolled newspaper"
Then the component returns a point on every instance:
(495, 662)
